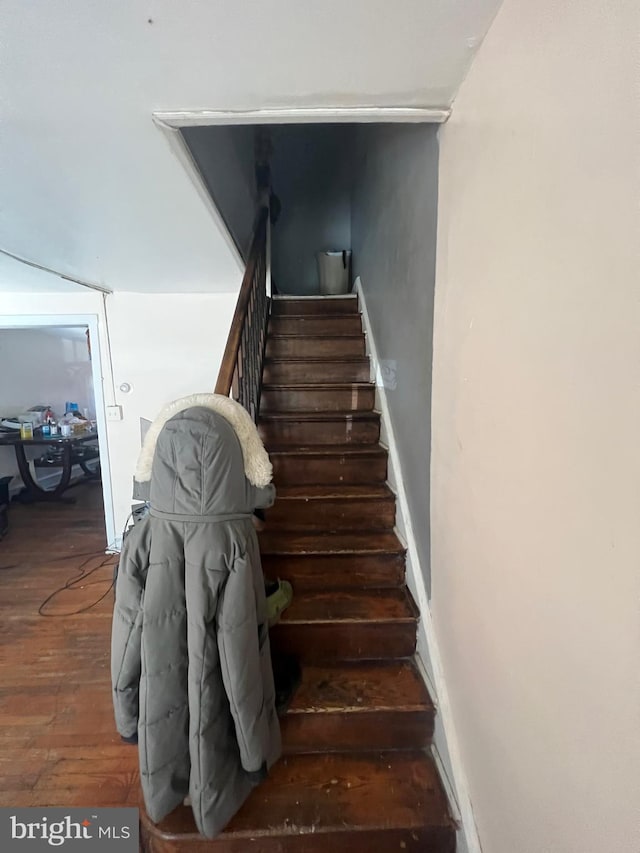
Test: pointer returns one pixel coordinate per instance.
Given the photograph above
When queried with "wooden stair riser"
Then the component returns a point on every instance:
(322, 306)
(353, 428)
(315, 347)
(331, 571)
(329, 642)
(363, 731)
(290, 371)
(297, 469)
(336, 398)
(362, 706)
(338, 324)
(334, 514)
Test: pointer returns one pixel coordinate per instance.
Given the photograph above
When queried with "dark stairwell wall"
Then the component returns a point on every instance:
(312, 173)
(225, 157)
(393, 227)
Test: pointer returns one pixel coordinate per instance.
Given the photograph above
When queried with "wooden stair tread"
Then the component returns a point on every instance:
(319, 794)
(312, 344)
(274, 336)
(307, 397)
(345, 605)
(313, 386)
(313, 464)
(329, 571)
(285, 305)
(315, 324)
(360, 687)
(331, 491)
(314, 297)
(320, 428)
(327, 450)
(330, 508)
(291, 542)
(319, 416)
(316, 359)
(320, 370)
(346, 315)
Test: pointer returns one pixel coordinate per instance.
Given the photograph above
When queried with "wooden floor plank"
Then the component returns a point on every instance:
(58, 743)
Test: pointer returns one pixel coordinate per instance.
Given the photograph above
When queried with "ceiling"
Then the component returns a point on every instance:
(89, 185)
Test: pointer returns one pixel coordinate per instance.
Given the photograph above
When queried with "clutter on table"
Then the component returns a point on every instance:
(42, 421)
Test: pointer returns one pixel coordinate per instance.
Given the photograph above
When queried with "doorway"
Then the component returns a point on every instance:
(54, 361)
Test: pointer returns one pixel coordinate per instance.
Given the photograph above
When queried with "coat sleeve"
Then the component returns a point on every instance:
(126, 632)
(263, 496)
(242, 641)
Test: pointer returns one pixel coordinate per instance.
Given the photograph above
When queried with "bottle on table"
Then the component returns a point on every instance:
(51, 421)
(45, 429)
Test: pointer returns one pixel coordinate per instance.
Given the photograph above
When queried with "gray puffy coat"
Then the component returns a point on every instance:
(190, 662)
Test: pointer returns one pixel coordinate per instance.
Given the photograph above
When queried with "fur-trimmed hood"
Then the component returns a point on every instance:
(257, 465)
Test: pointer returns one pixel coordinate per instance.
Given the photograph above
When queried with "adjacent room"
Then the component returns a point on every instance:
(49, 441)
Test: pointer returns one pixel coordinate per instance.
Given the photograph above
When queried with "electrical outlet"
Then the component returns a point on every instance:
(114, 413)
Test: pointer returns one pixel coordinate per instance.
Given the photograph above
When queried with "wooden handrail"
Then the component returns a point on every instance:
(251, 297)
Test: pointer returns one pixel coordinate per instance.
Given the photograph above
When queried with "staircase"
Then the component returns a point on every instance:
(357, 775)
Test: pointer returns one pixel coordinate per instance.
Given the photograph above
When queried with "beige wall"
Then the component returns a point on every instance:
(536, 428)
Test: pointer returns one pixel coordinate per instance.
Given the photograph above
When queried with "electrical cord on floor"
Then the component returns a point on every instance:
(73, 583)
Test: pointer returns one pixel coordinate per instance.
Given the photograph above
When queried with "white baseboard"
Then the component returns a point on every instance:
(445, 744)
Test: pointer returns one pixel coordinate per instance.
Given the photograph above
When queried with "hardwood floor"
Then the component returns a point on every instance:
(58, 742)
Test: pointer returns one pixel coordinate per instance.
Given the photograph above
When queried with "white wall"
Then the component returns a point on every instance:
(89, 185)
(394, 243)
(47, 366)
(164, 345)
(312, 174)
(225, 158)
(536, 409)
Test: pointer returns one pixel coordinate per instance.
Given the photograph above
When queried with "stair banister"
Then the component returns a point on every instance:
(241, 369)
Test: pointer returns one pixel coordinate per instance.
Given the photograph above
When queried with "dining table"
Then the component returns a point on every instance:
(58, 452)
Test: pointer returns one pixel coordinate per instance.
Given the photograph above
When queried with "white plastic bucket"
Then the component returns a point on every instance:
(334, 272)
